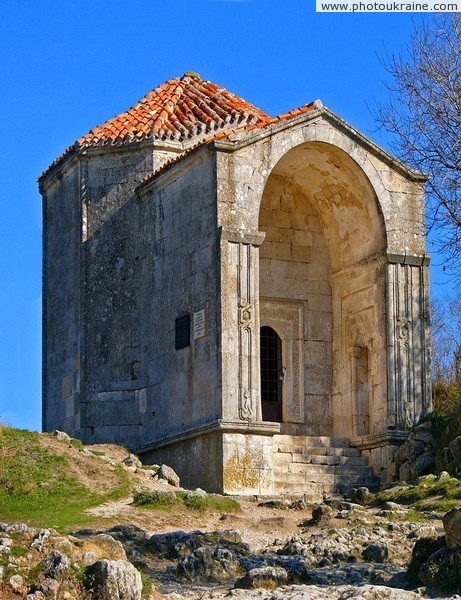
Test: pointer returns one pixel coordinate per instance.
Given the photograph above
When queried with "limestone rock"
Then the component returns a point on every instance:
(391, 506)
(263, 577)
(361, 495)
(132, 462)
(455, 447)
(294, 547)
(61, 436)
(40, 538)
(423, 549)
(371, 592)
(425, 531)
(431, 573)
(167, 473)
(17, 584)
(114, 580)
(174, 544)
(423, 433)
(321, 513)
(97, 547)
(209, 564)
(49, 588)
(55, 563)
(20, 528)
(377, 553)
(421, 465)
(452, 526)
(414, 457)
(5, 543)
(179, 543)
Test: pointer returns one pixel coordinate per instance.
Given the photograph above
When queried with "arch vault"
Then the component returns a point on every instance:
(315, 244)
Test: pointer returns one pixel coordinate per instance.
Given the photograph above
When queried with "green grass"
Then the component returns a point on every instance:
(35, 485)
(430, 493)
(160, 500)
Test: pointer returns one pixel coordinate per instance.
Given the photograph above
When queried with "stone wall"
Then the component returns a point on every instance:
(62, 344)
(113, 255)
(180, 277)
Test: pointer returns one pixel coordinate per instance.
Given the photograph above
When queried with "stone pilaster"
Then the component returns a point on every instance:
(408, 339)
(240, 282)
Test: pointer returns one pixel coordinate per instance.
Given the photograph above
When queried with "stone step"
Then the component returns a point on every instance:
(309, 441)
(313, 491)
(318, 465)
(284, 458)
(344, 451)
(319, 472)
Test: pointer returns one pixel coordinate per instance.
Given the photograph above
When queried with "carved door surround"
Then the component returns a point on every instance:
(286, 318)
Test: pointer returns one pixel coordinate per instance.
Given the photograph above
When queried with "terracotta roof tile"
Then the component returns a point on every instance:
(180, 109)
(185, 110)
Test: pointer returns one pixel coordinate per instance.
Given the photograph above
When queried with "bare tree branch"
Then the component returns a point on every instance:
(424, 114)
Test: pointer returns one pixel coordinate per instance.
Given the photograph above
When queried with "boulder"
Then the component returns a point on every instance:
(5, 543)
(424, 548)
(426, 531)
(209, 564)
(179, 543)
(17, 584)
(455, 447)
(452, 526)
(49, 587)
(132, 462)
(432, 572)
(421, 465)
(361, 495)
(61, 436)
(167, 473)
(323, 513)
(55, 563)
(376, 553)
(97, 547)
(268, 578)
(423, 433)
(114, 580)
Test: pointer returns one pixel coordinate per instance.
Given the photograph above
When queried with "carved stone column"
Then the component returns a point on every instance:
(408, 339)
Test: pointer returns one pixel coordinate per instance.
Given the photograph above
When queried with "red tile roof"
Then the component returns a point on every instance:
(180, 109)
(184, 109)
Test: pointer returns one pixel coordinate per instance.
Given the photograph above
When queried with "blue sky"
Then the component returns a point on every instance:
(68, 66)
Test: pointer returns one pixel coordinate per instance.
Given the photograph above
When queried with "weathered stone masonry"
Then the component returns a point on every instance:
(174, 240)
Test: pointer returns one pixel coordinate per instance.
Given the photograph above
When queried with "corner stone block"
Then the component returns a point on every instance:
(247, 464)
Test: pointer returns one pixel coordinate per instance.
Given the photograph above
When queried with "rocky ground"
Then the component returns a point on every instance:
(270, 550)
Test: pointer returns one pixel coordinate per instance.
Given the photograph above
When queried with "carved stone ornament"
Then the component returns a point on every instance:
(246, 315)
(246, 409)
(403, 330)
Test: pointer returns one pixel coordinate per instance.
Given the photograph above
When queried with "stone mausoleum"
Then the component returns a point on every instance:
(242, 297)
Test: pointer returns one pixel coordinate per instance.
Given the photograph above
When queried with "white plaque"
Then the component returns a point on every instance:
(199, 324)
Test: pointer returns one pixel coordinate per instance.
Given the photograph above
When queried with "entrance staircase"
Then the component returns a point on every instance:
(315, 466)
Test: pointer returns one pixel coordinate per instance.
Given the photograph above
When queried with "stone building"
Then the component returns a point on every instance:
(242, 297)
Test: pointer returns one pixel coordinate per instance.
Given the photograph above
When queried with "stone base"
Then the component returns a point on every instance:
(380, 449)
(223, 458)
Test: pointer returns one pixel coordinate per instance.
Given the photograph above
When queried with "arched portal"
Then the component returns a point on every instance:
(271, 374)
(318, 270)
